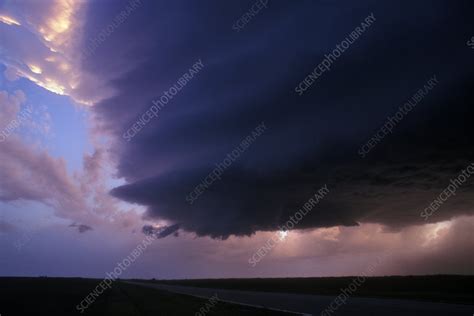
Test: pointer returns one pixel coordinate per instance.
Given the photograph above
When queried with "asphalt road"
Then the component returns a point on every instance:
(315, 304)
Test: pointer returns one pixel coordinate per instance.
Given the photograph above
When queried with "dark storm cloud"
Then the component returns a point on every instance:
(311, 140)
(81, 228)
(160, 232)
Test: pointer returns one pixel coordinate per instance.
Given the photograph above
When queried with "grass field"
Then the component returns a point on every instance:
(436, 288)
(59, 296)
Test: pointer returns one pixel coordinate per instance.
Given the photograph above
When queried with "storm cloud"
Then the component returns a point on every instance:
(311, 140)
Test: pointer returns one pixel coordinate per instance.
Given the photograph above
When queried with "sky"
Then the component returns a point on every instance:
(249, 138)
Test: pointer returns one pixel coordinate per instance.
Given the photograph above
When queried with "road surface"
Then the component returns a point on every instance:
(315, 304)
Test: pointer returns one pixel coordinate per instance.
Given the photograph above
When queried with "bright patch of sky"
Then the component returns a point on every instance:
(57, 124)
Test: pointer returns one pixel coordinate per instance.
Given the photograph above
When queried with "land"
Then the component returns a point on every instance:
(407, 295)
(323, 305)
(457, 289)
(59, 296)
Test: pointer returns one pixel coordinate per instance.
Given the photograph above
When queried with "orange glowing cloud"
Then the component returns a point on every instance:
(56, 29)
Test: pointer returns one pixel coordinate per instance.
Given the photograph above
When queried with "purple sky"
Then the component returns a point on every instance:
(193, 122)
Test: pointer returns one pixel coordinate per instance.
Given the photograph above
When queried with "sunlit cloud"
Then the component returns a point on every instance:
(51, 59)
(35, 69)
(48, 84)
(46, 48)
(58, 26)
(9, 20)
(64, 67)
